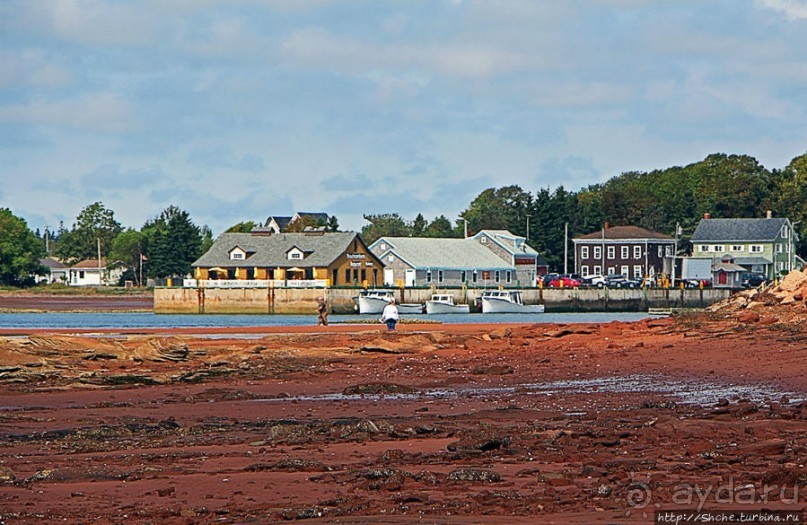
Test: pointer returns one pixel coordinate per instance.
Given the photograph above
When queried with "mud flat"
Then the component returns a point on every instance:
(31, 302)
(577, 423)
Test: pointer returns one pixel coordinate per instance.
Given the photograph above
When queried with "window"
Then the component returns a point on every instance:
(439, 276)
(718, 248)
(391, 258)
(483, 239)
(498, 275)
(660, 251)
(611, 252)
(81, 274)
(624, 251)
(637, 252)
(237, 256)
(584, 271)
(294, 255)
(347, 275)
(598, 252)
(738, 248)
(755, 248)
(668, 250)
(704, 248)
(429, 276)
(474, 276)
(611, 270)
(598, 270)
(785, 232)
(463, 276)
(584, 252)
(637, 271)
(624, 270)
(507, 276)
(382, 246)
(780, 247)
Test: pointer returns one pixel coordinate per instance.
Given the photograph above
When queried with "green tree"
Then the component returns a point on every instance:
(128, 248)
(504, 208)
(440, 227)
(173, 243)
(95, 223)
(241, 227)
(20, 251)
(385, 225)
(333, 224)
(419, 225)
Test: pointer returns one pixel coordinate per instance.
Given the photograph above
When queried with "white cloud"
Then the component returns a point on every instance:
(793, 9)
(97, 112)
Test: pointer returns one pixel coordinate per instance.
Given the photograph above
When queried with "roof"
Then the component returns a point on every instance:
(53, 264)
(281, 221)
(317, 216)
(270, 250)
(90, 264)
(739, 230)
(627, 233)
(447, 253)
(515, 244)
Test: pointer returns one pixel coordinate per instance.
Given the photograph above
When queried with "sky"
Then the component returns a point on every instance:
(237, 110)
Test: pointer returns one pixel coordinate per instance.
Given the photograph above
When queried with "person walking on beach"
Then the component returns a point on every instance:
(390, 315)
(322, 312)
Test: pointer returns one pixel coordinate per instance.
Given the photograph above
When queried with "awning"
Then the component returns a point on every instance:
(217, 269)
(295, 269)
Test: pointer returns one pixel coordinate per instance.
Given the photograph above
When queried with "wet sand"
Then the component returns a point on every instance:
(578, 423)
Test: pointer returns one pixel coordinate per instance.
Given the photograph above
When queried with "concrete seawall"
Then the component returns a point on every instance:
(303, 300)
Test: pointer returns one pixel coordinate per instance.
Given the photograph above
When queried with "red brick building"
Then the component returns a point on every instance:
(629, 250)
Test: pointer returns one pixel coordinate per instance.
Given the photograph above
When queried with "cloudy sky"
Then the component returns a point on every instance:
(240, 109)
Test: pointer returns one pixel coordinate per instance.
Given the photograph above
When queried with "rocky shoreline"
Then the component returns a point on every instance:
(576, 423)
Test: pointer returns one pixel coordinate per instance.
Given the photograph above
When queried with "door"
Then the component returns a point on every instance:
(722, 277)
(389, 280)
(409, 279)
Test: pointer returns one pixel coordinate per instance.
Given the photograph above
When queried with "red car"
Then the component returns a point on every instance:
(564, 282)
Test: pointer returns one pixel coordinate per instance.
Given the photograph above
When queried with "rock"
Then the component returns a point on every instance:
(789, 299)
(472, 474)
(767, 320)
(793, 281)
(6, 475)
(748, 317)
(753, 305)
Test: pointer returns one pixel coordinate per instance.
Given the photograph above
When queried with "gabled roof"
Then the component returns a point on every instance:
(89, 264)
(739, 230)
(281, 221)
(445, 253)
(317, 216)
(52, 263)
(270, 251)
(626, 233)
(514, 244)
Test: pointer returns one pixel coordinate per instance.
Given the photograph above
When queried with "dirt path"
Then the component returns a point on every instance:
(433, 424)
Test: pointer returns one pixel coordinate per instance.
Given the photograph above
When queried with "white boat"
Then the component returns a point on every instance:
(374, 301)
(507, 302)
(444, 304)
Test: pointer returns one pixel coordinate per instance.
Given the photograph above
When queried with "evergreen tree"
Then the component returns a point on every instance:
(173, 243)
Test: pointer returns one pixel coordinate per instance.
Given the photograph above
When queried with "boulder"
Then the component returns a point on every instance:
(793, 281)
(748, 317)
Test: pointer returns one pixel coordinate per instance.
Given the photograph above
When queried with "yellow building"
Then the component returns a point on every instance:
(342, 258)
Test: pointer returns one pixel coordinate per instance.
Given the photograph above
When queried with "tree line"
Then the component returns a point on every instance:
(726, 186)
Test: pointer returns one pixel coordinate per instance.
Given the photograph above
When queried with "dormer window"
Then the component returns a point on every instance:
(295, 254)
(483, 240)
(237, 254)
(383, 246)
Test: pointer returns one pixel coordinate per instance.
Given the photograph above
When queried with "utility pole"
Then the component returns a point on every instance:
(100, 275)
(566, 249)
(47, 244)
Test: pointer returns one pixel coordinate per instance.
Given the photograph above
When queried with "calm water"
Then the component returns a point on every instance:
(150, 320)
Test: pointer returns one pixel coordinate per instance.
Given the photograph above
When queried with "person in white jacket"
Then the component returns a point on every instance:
(390, 315)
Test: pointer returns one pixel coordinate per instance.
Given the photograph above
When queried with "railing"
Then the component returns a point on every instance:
(254, 283)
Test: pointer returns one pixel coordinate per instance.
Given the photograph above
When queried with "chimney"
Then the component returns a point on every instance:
(707, 215)
(605, 226)
(769, 214)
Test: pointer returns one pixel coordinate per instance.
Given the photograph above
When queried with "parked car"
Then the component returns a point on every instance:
(697, 283)
(594, 280)
(752, 279)
(621, 281)
(548, 278)
(564, 282)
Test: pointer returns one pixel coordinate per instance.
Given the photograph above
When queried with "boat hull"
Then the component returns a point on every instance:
(375, 305)
(436, 307)
(502, 306)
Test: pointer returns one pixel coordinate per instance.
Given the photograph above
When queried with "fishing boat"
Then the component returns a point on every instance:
(507, 302)
(374, 301)
(444, 304)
